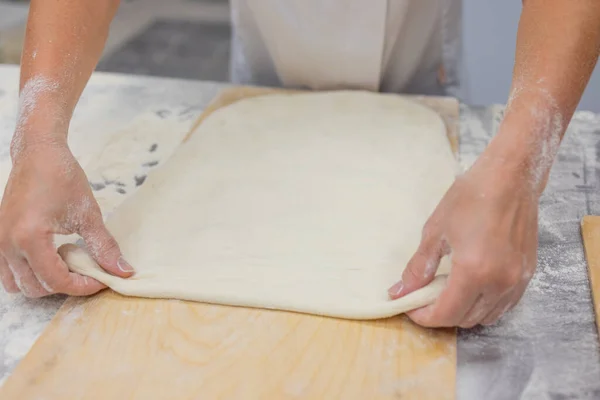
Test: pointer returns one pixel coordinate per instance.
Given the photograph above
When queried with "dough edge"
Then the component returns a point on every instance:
(81, 262)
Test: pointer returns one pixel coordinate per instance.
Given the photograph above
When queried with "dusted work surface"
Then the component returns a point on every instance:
(546, 348)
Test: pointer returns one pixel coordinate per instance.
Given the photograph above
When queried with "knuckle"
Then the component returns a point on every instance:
(411, 273)
(506, 276)
(86, 222)
(31, 291)
(51, 279)
(428, 230)
(24, 234)
(484, 271)
(510, 277)
(101, 248)
(66, 286)
(52, 284)
(471, 260)
(478, 275)
(9, 287)
(90, 216)
(8, 282)
(81, 286)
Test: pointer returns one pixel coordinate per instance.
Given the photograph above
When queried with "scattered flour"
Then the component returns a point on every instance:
(71, 318)
(159, 110)
(22, 320)
(129, 155)
(547, 346)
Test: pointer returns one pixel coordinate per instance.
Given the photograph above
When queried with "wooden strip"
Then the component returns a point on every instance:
(110, 346)
(590, 230)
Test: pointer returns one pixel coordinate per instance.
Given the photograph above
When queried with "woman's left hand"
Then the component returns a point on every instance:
(487, 224)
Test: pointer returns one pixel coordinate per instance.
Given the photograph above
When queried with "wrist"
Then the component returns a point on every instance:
(28, 141)
(43, 117)
(520, 161)
(529, 137)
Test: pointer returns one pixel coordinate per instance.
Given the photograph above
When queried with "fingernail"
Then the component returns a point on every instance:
(124, 265)
(396, 289)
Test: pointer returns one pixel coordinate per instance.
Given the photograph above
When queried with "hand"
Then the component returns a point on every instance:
(487, 223)
(48, 193)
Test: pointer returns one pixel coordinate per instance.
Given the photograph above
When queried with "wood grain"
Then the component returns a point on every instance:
(590, 230)
(112, 347)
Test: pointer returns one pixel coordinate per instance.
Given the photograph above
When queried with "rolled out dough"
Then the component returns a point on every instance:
(308, 202)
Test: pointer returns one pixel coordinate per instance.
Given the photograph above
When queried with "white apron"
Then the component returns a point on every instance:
(408, 46)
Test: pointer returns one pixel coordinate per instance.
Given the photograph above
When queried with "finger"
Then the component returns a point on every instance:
(52, 272)
(24, 277)
(6, 277)
(495, 315)
(421, 268)
(449, 309)
(482, 307)
(507, 304)
(501, 308)
(104, 249)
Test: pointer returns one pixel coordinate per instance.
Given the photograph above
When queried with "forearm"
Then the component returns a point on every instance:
(63, 42)
(558, 44)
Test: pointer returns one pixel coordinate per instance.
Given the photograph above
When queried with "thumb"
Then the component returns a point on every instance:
(420, 270)
(105, 250)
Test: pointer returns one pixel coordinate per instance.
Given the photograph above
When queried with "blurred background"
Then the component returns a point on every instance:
(190, 39)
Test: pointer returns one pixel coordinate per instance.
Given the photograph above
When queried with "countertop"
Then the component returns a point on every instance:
(545, 348)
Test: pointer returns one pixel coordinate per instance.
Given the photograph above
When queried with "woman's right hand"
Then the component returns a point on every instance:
(48, 193)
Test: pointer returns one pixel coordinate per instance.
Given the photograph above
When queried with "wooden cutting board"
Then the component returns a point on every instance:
(590, 231)
(112, 347)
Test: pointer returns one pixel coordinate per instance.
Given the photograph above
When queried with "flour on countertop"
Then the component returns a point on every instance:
(551, 332)
(130, 154)
(22, 320)
(103, 117)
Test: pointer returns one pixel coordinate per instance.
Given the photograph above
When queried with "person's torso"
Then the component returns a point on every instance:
(409, 46)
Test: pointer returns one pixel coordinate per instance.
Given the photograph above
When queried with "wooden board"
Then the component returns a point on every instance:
(112, 347)
(590, 231)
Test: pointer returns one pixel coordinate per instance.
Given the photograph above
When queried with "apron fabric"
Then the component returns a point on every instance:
(407, 46)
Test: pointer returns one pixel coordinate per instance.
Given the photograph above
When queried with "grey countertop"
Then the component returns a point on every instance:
(546, 348)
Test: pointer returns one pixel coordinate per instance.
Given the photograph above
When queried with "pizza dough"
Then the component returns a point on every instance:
(309, 202)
